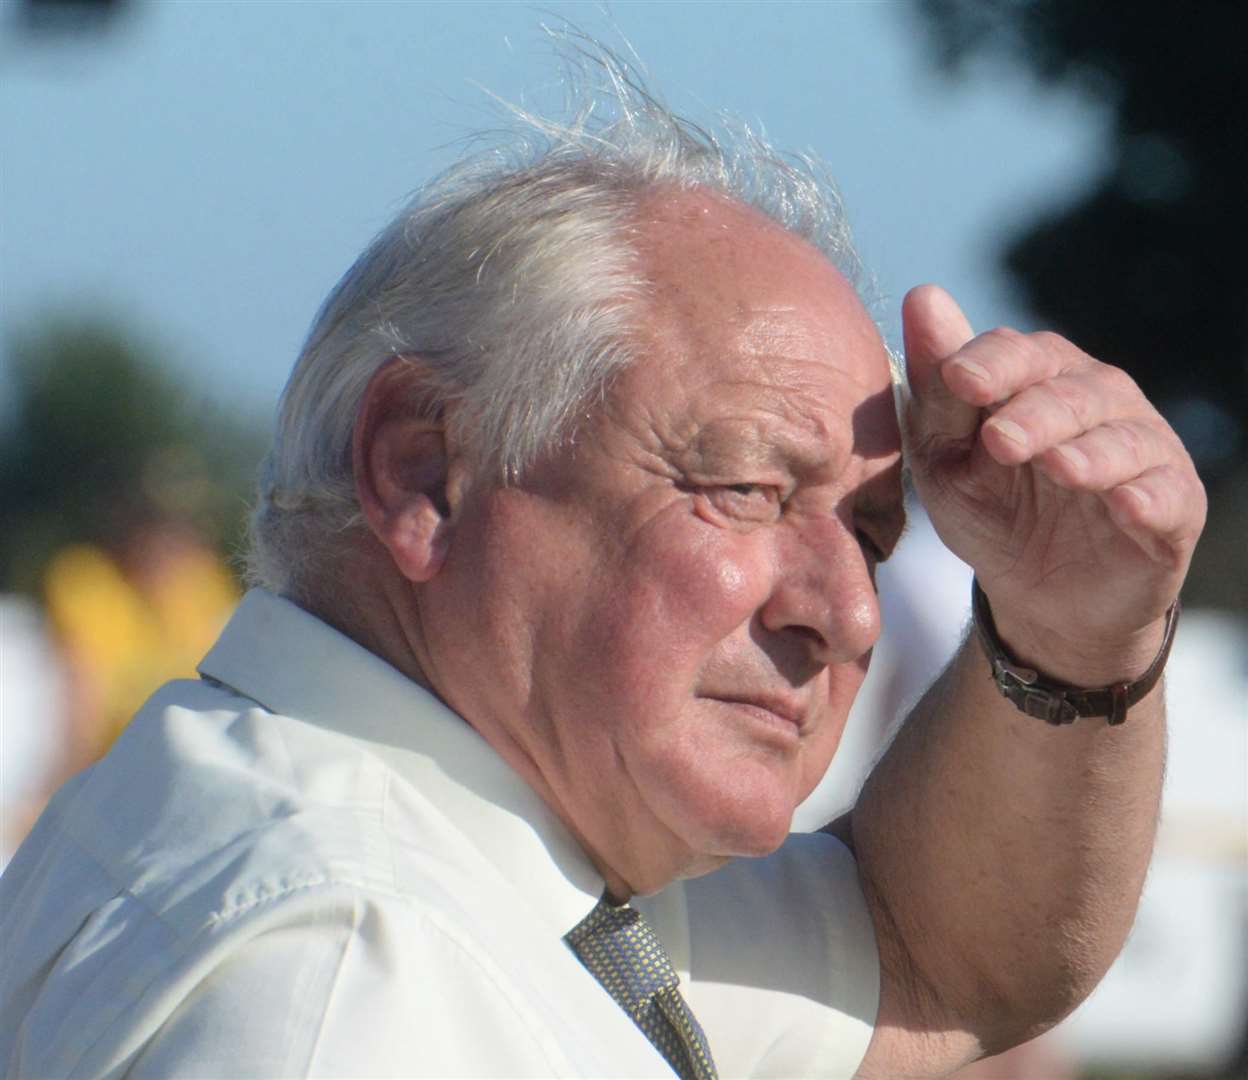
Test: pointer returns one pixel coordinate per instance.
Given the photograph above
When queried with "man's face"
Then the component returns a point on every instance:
(664, 625)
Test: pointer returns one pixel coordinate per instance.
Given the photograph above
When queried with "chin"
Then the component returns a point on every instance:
(702, 864)
(709, 841)
(716, 806)
(761, 838)
(754, 821)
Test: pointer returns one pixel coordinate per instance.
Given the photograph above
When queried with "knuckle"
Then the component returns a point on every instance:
(1185, 503)
(1047, 341)
(1117, 381)
(1002, 339)
(1130, 440)
(1185, 481)
(1005, 333)
(1072, 402)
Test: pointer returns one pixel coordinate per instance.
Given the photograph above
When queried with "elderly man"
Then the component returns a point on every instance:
(569, 535)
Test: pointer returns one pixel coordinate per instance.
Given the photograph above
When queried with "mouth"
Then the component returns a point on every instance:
(777, 712)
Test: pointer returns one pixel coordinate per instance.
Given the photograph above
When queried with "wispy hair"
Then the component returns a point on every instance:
(513, 280)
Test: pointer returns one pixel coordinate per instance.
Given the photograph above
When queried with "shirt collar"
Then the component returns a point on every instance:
(293, 664)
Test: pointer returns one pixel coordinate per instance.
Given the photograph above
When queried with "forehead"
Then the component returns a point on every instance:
(746, 324)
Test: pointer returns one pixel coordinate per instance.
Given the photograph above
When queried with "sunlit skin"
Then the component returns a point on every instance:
(663, 627)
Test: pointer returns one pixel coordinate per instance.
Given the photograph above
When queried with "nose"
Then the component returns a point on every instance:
(824, 594)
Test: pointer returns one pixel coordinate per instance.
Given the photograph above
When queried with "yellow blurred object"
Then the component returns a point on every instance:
(126, 634)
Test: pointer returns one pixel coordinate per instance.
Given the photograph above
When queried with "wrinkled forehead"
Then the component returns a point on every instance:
(733, 298)
(710, 262)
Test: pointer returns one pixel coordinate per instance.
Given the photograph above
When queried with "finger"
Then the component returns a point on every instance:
(1059, 409)
(1109, 455)
(1003, 362)
(1162, 510)
(933, 329)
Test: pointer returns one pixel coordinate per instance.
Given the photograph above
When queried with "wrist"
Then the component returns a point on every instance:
(1034, 689)
(1072, 655)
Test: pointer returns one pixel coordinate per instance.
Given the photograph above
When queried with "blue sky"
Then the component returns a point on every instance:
(206, 170)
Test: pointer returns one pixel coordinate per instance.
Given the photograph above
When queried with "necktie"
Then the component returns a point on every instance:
(619, 949)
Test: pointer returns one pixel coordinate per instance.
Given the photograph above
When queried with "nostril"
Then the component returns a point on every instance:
(809, 633)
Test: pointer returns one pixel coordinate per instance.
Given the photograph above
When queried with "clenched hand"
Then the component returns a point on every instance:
(1053, 476)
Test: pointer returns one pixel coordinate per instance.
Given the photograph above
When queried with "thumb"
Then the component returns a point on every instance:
(933, 329)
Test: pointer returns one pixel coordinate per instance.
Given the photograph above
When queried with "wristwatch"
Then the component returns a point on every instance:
(1056, 702)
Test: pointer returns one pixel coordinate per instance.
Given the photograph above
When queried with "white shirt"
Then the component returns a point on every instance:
(305, 865)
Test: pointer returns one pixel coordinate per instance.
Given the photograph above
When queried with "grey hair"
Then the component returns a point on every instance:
(512, 279)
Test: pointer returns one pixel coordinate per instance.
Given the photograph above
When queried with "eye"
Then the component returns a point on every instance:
(745, 502)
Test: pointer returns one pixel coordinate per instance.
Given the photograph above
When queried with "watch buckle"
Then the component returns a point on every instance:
(1050, 706)
(1018, 684)
(1010, 676)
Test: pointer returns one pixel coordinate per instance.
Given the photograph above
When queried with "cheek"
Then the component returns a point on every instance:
(844, 680)
(733, 582)
(704, 576)
(679, 598)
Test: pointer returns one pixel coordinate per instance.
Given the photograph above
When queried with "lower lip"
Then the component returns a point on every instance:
(787, 730)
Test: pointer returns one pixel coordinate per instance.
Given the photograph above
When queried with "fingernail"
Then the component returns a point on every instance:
(973, 369)
(1010, 430)
(1137, 495)
(1076, 459)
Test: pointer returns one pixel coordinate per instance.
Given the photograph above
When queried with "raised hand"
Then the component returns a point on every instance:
(1057, 481)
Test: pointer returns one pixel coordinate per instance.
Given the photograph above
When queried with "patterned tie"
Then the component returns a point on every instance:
(620, 950)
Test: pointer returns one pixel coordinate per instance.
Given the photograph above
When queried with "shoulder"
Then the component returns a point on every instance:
(209, 802)
(226, 894)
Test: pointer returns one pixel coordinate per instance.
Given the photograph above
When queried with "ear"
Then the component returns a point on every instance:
(401, 466)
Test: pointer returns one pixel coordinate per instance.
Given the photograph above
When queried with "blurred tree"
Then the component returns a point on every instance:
(69, 16)
(102, 443)
(1145, 270)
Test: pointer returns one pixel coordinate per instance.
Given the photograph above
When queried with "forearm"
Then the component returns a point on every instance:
(1005, 855)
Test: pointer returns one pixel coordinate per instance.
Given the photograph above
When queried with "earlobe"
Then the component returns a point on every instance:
(400, 463)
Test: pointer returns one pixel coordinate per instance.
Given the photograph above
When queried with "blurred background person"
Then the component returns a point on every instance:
(119, 517)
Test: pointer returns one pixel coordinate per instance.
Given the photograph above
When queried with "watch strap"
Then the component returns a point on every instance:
(1035, 694)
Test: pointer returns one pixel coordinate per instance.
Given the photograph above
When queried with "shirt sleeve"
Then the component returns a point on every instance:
(784, 972)
(337, 983)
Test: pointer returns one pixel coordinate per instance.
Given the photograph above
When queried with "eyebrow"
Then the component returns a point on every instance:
(785, 444)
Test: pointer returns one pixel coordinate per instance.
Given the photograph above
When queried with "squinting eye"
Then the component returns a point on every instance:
(751, 502)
